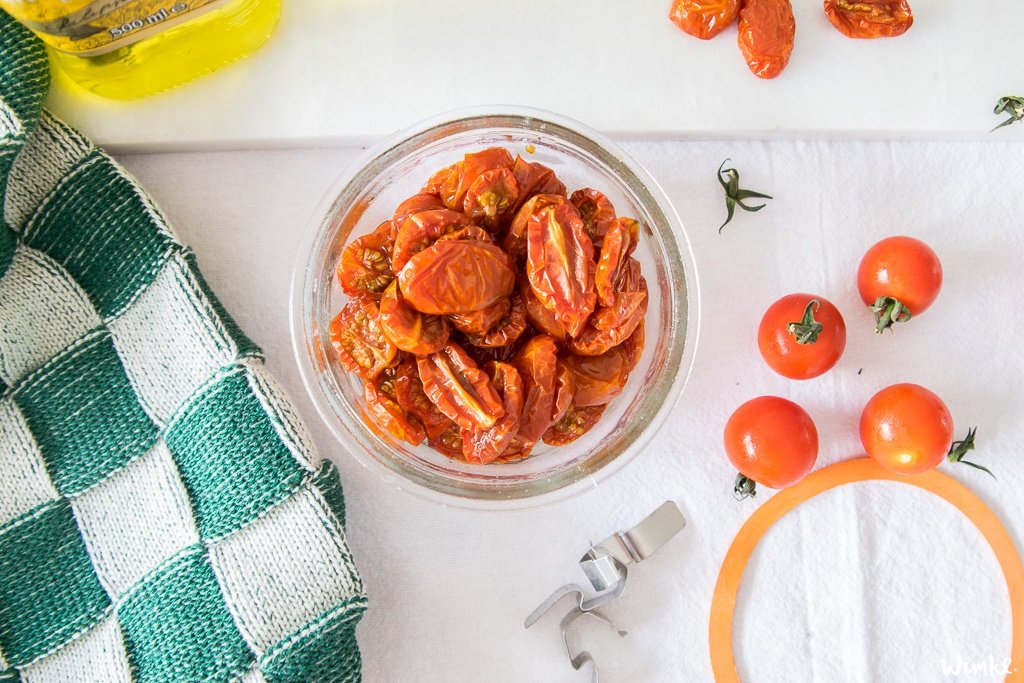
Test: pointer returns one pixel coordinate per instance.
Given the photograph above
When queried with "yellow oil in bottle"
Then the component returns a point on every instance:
(125, 49)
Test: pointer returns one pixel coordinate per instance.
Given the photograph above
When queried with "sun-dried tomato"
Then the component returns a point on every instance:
(515, 237)
(633, 347)
(599, 379)
(422, 229)
(538, 316)
(704, 19)
(612, 325)
(407, 328)
(766, 35)
(473, 232)
(576, 422)
(457, 277)
(456, 185)
(448, 441)
(559, 259)
(534, 178)
(459, 389)
(870, 18)
(436, 181)
(365, 266)
(411, 397)
(615, 249)
(517, 450)
(413, 205)
(481, 446)
(358, 340)
(507, 330)
(491, 197)
(597, 213)
(537, 363)
(389, 415)
(565, 388)
(479, 322)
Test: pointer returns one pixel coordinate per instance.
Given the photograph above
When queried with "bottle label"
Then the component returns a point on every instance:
(97, 26)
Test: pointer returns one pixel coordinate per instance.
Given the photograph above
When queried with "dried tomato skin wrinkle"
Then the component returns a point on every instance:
(766, 35)
(407, 328)
(596, 211)
(534, 178)
(365, 265)
(614, 257)
(480, 321)
(599, 379)
(870, 18)
(481, 446)
(515, 236)
(491, 197)
(457, 277)
(411, 206)
(421, 229)
(559, 261)
(411, 397)
(459, 389)
(359, 341)
(538, 316)
(390, 416)
(704, 19)
(537, 363)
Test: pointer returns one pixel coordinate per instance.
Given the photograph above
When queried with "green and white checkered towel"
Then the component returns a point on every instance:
(163, 514)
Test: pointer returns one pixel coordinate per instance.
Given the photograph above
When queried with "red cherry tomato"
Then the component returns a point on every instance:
(771, 441)
(801, 336)
(899, 277)
(906, 428)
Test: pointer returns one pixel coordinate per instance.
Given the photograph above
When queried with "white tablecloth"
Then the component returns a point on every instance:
(873, 582)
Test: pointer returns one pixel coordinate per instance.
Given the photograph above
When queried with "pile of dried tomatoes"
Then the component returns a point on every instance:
(493, 310)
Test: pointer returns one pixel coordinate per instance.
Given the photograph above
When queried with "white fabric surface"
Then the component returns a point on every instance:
(874, 582)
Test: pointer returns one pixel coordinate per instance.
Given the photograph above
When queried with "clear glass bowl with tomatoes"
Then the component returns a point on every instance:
(366, 197)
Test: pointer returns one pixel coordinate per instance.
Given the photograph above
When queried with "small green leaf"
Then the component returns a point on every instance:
(729, 179)
(959, 449)
(1012, 105)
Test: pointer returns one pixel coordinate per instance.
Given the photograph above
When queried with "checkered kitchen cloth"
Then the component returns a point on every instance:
(163, 514)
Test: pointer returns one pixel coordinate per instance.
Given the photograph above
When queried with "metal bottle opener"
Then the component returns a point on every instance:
(606, 566)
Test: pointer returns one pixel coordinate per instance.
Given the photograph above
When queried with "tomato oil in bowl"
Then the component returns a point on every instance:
(394, 170)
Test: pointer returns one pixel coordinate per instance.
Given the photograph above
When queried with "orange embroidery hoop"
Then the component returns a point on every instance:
(723, 602)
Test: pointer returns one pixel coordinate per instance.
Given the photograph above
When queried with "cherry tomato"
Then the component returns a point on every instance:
(906, 429)
(481, 446)
(386, 411)
(870, 18)
(596, 211)
(537, 363)
(598, 379)
(359, 341)
(491, 196)
(767, 32)
(413, 205)
(612, 325)
(407, 328)
(456, 185)
(615, 248)
(459, 389)
(457, 277)
(507, 330)
(558, 264)
(899, 277)
(515, 237)
(421, 229)
(365, 266)
(801, 336)
(411, 397)
(771, 441)
(479, 322)
(576, 422)
(704, 19)
(438, 179)
(533, 179)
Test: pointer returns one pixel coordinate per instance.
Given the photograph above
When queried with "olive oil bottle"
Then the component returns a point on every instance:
(125, 49)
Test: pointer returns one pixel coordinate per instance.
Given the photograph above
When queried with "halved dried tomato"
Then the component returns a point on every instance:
(389, 415)
(507, 330)
(448, 441)
(407, 328)
(576, 422)
(766, 35)
(457, 277)
(614, 256)
(515, 237)
(365, 266)
(538, 316)
(704, 19)
(436, 181)
(597, 213)
(559, 259)
(411, 397)
(481, 446)
(358, 340)
(537, 363)
(517, 450)
(565, 388)
(479, 322)
(459, 389)
(491, 197)
(534, 178)
(870, 18)
(455, 187)
(413, 205)
(612, 325)
(599, 379)
(422, 229)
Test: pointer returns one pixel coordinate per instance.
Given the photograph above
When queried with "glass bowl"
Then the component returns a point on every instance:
(367, 195)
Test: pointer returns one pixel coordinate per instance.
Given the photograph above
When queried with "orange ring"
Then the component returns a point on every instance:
(723, 603)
